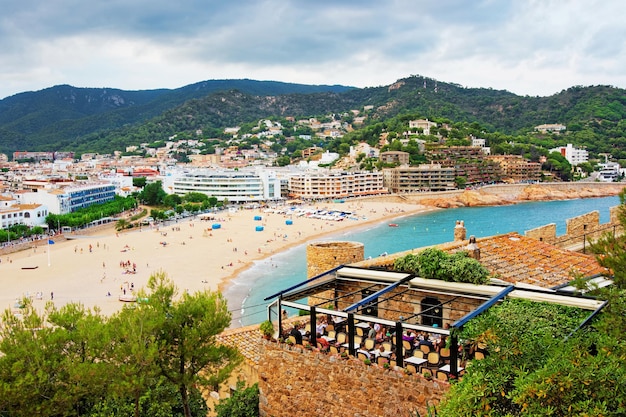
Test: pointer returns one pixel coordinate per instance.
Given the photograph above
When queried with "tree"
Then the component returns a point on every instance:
(139, 182)
(152, 194)
(186, 337)
(244, 402)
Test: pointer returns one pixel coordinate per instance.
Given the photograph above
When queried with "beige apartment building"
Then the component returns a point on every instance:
(426, 177)
(395, 157)
(517, 169)
(336, 185)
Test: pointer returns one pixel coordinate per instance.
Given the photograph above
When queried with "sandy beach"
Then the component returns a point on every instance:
(97, 268)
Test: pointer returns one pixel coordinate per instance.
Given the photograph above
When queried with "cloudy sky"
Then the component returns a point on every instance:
(529, 47)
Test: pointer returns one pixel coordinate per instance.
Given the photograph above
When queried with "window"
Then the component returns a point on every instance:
(432, 312)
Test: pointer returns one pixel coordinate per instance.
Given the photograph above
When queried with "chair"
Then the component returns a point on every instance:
(444, 354)
(442, 376)
(388, 346)
(332, 334)
(433, 360)
(407, 345)
(307, 328)
(359, 331)
(330, 328)
(418, 354)
(361, 356)
(392, 363)
(341, 338)
(358, 340)
(425, 349)
(334, 350)
(478, 355)
(381, 360)
(411, 369)
(369, 344)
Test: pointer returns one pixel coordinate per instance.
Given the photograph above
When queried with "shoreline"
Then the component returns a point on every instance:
(88, 268)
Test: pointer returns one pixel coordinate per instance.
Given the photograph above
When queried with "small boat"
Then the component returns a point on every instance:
(30, 267)
(128, 298)
(393, 224)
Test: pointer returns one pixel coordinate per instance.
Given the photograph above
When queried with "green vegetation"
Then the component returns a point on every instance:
(540, 362)
(18, 231)
(148, 360)
(437, 264)
(84, 216)
(593, 116)
(244, 402)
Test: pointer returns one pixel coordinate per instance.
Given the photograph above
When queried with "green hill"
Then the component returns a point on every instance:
(103, 120)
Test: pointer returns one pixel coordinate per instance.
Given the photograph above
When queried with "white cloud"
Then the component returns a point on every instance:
(528, 47)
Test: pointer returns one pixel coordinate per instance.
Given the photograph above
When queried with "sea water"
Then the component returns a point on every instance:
(246, 292)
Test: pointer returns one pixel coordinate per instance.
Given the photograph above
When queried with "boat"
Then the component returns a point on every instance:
(393, 224)
(128, 298)
(30, 267)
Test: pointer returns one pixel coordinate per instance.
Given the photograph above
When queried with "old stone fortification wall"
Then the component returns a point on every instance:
(296, 382)
(324, 256)
(580, 230)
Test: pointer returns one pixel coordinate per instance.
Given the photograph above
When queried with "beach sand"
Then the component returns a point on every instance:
(95, 269)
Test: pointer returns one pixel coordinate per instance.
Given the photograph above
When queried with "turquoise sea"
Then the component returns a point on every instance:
(245, 293)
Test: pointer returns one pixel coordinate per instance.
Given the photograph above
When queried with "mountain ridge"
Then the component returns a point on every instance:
(102, 119)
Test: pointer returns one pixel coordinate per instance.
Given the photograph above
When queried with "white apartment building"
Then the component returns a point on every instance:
(335, 185)
(12, 213)
(573, 155)
(72, 197)
(235, 186)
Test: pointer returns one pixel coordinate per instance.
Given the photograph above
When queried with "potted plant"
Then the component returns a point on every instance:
(428, 375)
(367, 362)
(267, 329)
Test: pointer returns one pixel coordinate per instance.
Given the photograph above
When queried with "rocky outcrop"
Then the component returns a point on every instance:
(537, 192)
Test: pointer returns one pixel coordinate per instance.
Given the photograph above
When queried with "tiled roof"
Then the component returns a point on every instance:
(517, 259)
(246, 339)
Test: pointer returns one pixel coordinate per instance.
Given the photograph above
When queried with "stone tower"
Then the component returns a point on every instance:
(323, 256)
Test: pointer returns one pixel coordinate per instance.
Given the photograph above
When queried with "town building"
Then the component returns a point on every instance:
(395, 157)
(468, 162)
(320, 185)
(550, 128)
(573, 155)
(517, 169)
(236, 186)
(426, 177)
(13, 213)
(422, 124)
(71, 197)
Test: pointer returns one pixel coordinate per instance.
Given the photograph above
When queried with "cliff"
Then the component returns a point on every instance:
(503, 194)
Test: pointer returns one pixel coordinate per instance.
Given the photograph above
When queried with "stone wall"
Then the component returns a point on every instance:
(579, 231)
(296, 382)
(324, 256)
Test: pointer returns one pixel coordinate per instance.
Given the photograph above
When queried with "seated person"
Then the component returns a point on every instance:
(363, 351)
(380, 334)
(295, 332)
(321, 326)
(408, 336)
(426, 342)
(323, 342)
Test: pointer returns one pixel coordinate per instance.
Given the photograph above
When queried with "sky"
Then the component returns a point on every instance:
(528, 47)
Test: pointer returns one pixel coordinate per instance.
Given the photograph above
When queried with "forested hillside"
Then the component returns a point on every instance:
(103, 120)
